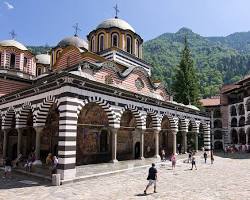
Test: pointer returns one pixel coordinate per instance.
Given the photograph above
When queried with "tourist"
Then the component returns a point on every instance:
(189, 156)
(152, 177)
(49, 159)
(7, 168)
(55, 163)
(163, 155)
(173, 160)
(179, 148)
(193, 163)
(205, 156)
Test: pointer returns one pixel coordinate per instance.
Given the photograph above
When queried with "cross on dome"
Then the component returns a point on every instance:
(116, 11)
(76, 27)
(13, 34)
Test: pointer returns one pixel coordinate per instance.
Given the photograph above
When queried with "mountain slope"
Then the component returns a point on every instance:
(218, 60)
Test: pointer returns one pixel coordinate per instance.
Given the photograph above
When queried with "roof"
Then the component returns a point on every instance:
(210, 102)
(115, 22)
(43, 59)
(73, 41)
(13, 43)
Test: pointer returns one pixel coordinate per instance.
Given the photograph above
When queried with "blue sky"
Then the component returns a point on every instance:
(38, 22)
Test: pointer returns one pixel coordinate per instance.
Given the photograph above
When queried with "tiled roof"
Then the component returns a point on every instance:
(210, 102)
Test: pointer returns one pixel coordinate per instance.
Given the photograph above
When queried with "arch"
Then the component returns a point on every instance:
(248, 104)
(234, 122)
(205, 132)
(92, 43)
(234, 136)
(173, 124)
(242, 121)
(114, 39)
(217, 123)
(155, 120)
(43, 110)
(139, 122)
(23, 115)
(242, 136)
(112, 118)
(129, 45)
(101, 42)
(233, 111)
(241, 109)
(9, 120)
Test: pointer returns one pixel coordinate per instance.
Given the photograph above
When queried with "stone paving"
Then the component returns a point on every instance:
(227, 178)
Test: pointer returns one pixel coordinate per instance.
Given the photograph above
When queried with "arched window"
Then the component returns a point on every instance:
(217, 135)
(93, 44)
(129, 44)
(101, 42)
(38, 71)
(242, 121)
(138, 48)
(104, 141)
(234, 122)
(12, 60)
(233, 111)
(248, 119)
(217, 124)
(58, 53)
(241, 109)
(248, 105)
(217, 113)
(115, 40)
(25, 62)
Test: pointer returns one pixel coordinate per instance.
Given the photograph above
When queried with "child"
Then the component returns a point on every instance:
(173, 159)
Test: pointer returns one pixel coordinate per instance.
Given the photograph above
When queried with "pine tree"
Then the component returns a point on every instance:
(185, 83)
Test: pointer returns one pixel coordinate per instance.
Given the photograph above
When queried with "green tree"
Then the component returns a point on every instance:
(185, 83)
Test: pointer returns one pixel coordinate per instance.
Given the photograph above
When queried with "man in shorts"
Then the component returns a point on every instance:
(152, 177)
(7, 168)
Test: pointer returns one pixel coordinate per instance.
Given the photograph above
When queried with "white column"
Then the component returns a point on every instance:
(114, 145)
(19, 141)
(142, 144)
(38, 141)
(156, 132)
(174, 133)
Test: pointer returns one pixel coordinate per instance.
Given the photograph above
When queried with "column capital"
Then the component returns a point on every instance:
(38, 129)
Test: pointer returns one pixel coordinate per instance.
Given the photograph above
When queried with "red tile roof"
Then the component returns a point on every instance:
(210, 102)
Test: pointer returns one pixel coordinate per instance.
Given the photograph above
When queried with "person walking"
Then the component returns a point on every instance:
(163, 155)
(7, 168)
(193, 163)
(173, 160)
(152, 177)
(190, 157)
(205, 156)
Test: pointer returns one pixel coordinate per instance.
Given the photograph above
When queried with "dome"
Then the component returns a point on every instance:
(43, 59)
(13, 43)
(115, 22)
(74, 41)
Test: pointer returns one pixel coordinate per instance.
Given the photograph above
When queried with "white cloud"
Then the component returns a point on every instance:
(9, 6)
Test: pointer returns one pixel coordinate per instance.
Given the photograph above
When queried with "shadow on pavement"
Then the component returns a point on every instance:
(236, 155)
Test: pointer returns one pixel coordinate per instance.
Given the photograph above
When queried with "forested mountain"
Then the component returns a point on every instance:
(218, 59)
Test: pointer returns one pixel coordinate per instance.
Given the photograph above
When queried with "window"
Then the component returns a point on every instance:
(0, 59)
(101, 42)
(138, 48)
(25, 62)
(93, 44)
(139, 84)
(12, 60)
(104, 141)
(115, 42)
(38, 71)
(129, 44)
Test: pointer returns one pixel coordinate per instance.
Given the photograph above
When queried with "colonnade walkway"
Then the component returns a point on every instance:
(84, 172)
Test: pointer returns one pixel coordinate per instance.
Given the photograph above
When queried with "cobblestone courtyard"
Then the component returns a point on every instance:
(227, 179)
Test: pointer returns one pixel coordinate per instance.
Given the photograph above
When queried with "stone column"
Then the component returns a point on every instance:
(246, 138)
(142, 144)
(5, 132)
(174, 133)
(156, 132)
(114, 145)
(184, 141)
(238, 137)
(19, 141)
(38, 141)
(196, 141)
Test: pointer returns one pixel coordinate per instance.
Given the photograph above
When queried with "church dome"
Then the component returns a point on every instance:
(115, 22)
(43, 59)
(13, 43)
(74, 41)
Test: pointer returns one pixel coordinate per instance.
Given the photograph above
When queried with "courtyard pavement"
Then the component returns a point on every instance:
(228, 178)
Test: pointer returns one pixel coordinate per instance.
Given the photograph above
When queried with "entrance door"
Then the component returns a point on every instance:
(137, 150)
